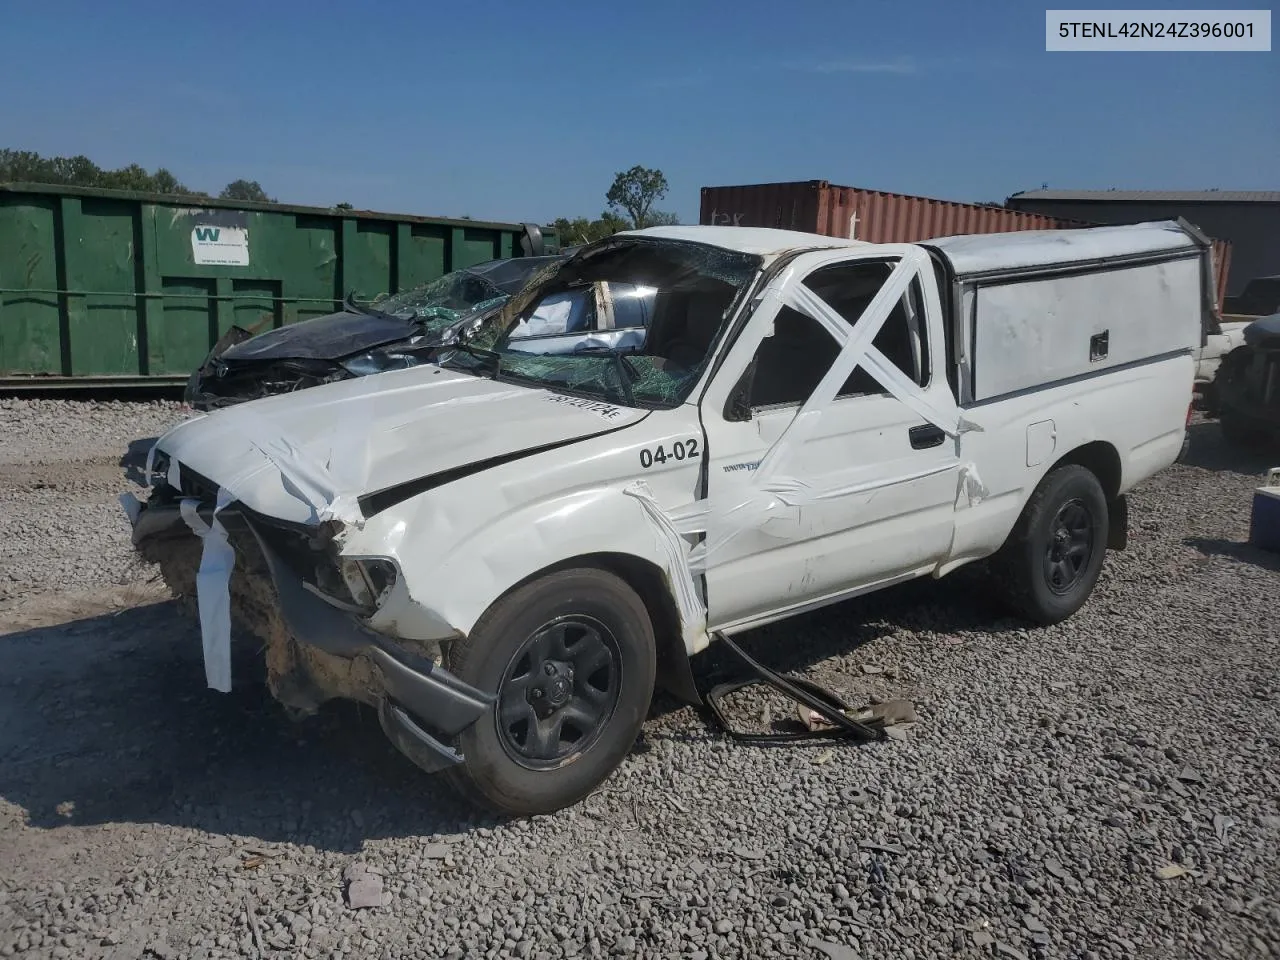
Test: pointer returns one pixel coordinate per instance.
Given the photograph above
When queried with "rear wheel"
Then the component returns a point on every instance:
(572, 659)
(1048, 567)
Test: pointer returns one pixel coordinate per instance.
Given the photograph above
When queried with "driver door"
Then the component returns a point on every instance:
(860, 496)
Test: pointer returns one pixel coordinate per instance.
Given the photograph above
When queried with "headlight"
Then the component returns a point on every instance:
(370, 579)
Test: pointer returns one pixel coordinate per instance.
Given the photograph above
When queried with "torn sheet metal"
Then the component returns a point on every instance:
(213, 590)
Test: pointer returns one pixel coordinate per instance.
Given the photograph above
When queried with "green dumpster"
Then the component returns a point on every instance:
(103, 287)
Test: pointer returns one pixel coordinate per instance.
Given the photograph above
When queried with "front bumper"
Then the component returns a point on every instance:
(421, 706)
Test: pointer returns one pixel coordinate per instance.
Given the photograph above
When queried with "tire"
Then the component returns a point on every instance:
(1030, 581)
(1185, 452)
(1237, 430)
(533, 648)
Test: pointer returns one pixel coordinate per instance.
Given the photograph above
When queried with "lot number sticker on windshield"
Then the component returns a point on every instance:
(680, 450)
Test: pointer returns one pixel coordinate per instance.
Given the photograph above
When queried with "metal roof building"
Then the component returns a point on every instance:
(1250, 219)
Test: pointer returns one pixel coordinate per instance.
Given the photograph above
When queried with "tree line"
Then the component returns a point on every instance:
(19, 166)
(629, 201)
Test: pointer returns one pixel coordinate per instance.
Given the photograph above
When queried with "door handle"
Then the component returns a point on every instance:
(926, 435)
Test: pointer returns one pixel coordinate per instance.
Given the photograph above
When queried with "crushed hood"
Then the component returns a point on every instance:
(330, 337)
(290, 456)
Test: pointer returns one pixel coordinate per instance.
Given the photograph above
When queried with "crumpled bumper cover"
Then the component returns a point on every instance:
(422, 706)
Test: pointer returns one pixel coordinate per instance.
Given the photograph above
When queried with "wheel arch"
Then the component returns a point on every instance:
(649, 581)
(1102, 459)
(1099, 458)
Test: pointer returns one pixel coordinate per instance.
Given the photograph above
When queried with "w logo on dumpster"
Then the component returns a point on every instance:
(220, 246)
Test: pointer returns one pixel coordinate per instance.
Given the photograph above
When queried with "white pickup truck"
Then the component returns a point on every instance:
(504, 550)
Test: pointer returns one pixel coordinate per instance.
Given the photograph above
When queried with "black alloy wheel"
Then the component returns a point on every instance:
(1070, 547)
(559, 692)
(572, 659)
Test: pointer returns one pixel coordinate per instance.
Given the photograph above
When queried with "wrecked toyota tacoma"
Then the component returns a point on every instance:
(503, 550)
(392, 333)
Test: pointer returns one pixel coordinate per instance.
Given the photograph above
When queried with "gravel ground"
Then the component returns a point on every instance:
(1108, 788)
(62, 465)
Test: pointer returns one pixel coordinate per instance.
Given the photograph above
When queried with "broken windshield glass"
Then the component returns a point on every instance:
(690, 291)
(444, 301)
(464, 293)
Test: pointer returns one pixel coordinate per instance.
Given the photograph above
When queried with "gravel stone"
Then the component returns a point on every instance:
(143, 815)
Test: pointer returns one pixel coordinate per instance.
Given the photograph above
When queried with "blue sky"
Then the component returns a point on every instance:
(524, 111)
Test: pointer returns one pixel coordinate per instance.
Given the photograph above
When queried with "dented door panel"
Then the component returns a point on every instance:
(866, 496)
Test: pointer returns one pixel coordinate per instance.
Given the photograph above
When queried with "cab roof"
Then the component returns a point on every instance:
(761, 241)
(968, 253)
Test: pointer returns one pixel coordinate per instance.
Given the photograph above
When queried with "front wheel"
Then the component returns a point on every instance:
(1047, 568)
(572, 659)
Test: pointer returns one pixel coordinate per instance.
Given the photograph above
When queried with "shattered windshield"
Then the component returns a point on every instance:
(689, 290)
(462, 293)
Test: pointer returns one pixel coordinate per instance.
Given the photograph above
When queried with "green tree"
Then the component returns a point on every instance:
(581, 230)
(132, 177)
(27, 165)
(572, 231)
(343, 206)
(165, 182)
(245, 190)
(658, 218)
(635, 191)
(80, 171)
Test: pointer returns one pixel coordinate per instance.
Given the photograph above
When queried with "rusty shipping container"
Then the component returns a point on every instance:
(817, 206)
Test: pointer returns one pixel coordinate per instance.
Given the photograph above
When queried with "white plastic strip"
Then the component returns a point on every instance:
(682, 584)
(303, 476)
(151, 463)
(972, 490)
(213, 590)
(858, 350)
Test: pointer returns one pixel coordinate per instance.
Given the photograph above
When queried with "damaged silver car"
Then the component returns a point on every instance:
(400, 331)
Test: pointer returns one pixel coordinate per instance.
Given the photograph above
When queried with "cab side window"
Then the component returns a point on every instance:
(791, 363)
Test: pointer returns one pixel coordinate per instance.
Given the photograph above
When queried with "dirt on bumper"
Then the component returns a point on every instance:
(315, 652)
